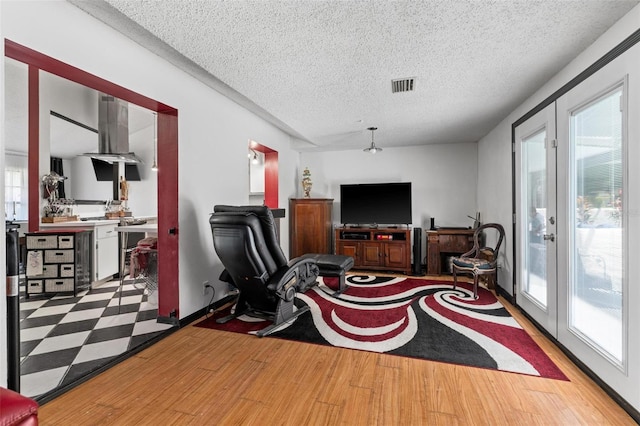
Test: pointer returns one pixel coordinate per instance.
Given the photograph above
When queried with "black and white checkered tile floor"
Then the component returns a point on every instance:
(64, 338)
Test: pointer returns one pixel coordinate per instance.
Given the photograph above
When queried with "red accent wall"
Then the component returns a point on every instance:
(271, 179)
(168, 276)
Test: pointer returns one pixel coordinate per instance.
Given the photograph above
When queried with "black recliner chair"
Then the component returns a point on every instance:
(245, 240)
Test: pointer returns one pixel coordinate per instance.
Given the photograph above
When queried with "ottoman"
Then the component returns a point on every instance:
(333, 265)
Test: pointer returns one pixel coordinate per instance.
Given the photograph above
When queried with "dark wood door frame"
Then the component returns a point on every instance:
(167, 131)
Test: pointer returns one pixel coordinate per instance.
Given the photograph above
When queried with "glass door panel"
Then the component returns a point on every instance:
(535, 158)
(534, 186)
(596, 237)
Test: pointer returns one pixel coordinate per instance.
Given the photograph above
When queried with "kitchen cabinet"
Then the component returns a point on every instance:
(106, 255)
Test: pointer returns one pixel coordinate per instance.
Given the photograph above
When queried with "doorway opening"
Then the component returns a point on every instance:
(270, 172)
(166, 129)
(167, 147)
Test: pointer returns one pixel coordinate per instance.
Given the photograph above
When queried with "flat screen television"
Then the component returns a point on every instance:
(375, 204)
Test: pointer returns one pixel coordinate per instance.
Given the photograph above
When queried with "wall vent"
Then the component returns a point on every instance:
(402, 85)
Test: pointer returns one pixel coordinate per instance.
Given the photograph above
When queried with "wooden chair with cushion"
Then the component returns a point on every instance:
(479, 260)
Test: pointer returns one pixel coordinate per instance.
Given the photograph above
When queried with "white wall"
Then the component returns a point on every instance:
(213, 131)
(443, 179)
(494, 150)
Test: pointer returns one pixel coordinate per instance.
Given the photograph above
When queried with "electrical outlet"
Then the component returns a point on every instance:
(205, 286)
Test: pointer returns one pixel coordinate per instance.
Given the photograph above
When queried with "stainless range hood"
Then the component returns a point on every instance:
(113, 131)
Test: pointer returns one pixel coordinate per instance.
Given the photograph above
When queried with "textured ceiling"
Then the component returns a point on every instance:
(322, 70)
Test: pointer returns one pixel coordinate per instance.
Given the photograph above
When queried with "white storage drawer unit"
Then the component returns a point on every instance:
(58, 261)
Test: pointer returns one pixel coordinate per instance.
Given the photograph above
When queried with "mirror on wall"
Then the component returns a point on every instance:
(68, 128)
(74, 130)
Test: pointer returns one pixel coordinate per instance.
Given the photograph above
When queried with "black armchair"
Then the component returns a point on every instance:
(245, 240)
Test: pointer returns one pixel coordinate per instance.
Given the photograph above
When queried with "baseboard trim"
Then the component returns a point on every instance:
(168, 320)
(503, 293)
(204, 311)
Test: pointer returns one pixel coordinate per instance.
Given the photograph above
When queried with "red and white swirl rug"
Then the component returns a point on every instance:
(410, 317)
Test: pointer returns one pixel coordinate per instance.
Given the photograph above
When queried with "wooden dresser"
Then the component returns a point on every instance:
(310, 226)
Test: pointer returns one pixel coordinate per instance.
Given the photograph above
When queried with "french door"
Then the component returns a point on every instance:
(578, 173)
(536, 160)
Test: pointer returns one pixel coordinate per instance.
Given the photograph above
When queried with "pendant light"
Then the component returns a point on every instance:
(372, 149)
(155, 141)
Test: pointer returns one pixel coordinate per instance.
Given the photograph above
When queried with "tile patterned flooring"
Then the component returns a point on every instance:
(63, 338)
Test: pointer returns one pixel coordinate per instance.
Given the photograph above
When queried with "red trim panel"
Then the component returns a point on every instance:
(168, 235)
(34, 148)
(271, 179)
(46, 63)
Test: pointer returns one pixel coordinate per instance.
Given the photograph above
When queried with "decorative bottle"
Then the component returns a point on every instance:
(306, 182)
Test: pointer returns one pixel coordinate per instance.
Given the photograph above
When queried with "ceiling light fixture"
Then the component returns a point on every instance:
(372, 149)
(155, 141)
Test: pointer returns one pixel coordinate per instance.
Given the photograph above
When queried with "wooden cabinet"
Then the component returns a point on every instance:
(442, 244)
(58, 261)
(310, 226)
(386, 249)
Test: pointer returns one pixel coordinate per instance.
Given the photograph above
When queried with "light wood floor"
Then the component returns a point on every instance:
(199, 376)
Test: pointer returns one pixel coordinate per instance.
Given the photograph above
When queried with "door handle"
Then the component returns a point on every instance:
(549, 237)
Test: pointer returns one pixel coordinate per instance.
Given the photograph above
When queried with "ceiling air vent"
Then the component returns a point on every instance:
(402, 85)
